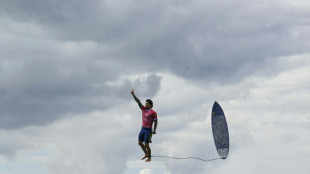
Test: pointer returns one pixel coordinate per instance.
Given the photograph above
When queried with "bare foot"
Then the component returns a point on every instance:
(144, 157)
(148, 159)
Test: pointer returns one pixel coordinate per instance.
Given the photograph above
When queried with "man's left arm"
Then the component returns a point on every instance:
(155, 124)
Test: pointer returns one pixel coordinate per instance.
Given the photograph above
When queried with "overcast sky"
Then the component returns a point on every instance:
(67, 69)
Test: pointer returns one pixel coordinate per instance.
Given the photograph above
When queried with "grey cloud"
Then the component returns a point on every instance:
(41, 91)
(149, 86)
(146, 86)
(8, 148)
(197, 40)
(42, 80)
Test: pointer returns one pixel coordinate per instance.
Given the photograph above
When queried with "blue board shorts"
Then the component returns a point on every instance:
(145, 135)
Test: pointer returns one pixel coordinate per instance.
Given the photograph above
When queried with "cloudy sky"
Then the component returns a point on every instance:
(67, 69)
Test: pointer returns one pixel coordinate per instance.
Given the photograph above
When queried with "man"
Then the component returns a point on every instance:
(148, 117)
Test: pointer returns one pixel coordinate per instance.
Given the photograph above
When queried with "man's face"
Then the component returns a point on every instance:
(147, 105)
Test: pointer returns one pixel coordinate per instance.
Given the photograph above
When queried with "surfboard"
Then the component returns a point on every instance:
(220, 131)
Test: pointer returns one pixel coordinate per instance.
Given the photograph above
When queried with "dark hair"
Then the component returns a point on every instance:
(150, 102)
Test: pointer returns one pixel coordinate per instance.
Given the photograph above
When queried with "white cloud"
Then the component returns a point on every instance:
(146, 171)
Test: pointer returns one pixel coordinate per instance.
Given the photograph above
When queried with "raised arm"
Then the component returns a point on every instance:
(137, 100)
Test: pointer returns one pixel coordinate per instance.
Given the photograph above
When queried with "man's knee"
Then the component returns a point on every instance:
(141, 143)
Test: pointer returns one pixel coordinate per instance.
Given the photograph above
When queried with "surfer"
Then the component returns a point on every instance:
(148, 117)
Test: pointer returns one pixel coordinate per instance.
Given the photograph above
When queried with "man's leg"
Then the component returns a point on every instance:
(144, 150)
(148, 149)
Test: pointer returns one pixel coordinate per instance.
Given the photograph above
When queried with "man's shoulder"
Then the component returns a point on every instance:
(154, 113)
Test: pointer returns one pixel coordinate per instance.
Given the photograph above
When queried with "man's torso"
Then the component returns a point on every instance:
(148, 116)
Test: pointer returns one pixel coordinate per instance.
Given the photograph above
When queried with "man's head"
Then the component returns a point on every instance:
(148, 104)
